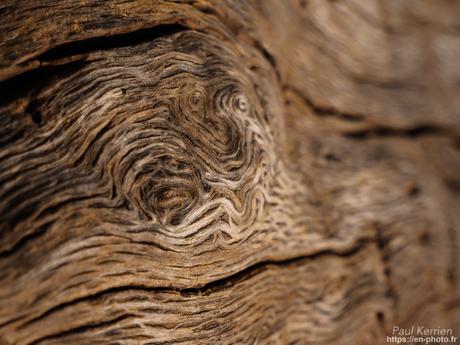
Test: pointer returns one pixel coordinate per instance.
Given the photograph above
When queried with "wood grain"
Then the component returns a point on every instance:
(228, 172)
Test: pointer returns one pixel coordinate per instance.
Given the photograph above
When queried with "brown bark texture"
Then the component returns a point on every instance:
(228, 171)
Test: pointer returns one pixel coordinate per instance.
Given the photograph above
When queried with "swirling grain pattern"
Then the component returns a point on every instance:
(171, 173)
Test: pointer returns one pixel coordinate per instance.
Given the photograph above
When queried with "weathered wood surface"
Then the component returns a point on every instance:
(228, 172)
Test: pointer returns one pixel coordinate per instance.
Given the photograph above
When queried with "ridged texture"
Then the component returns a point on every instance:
(223, 172)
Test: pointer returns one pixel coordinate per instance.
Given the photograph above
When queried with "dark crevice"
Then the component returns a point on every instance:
(325, 111)
(211, 287)
(34, 112)
(206, 9)
(388, 132)
(110, 42)
(414, 191)
(29, 84)
(269, 57)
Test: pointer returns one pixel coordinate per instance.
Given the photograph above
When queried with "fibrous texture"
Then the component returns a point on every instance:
(227, 172)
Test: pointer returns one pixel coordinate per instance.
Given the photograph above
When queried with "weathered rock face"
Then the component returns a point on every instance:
(228, 172)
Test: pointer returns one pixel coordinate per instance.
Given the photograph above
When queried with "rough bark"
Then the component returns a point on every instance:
(228, 172)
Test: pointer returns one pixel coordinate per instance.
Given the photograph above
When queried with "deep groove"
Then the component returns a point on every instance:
(29, 84)
(213, 286)
(269, 57)
(109, 42)
(325, 111)
(35, 114)
(383, 132)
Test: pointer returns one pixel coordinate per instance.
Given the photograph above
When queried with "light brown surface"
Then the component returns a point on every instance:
(228, 172)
